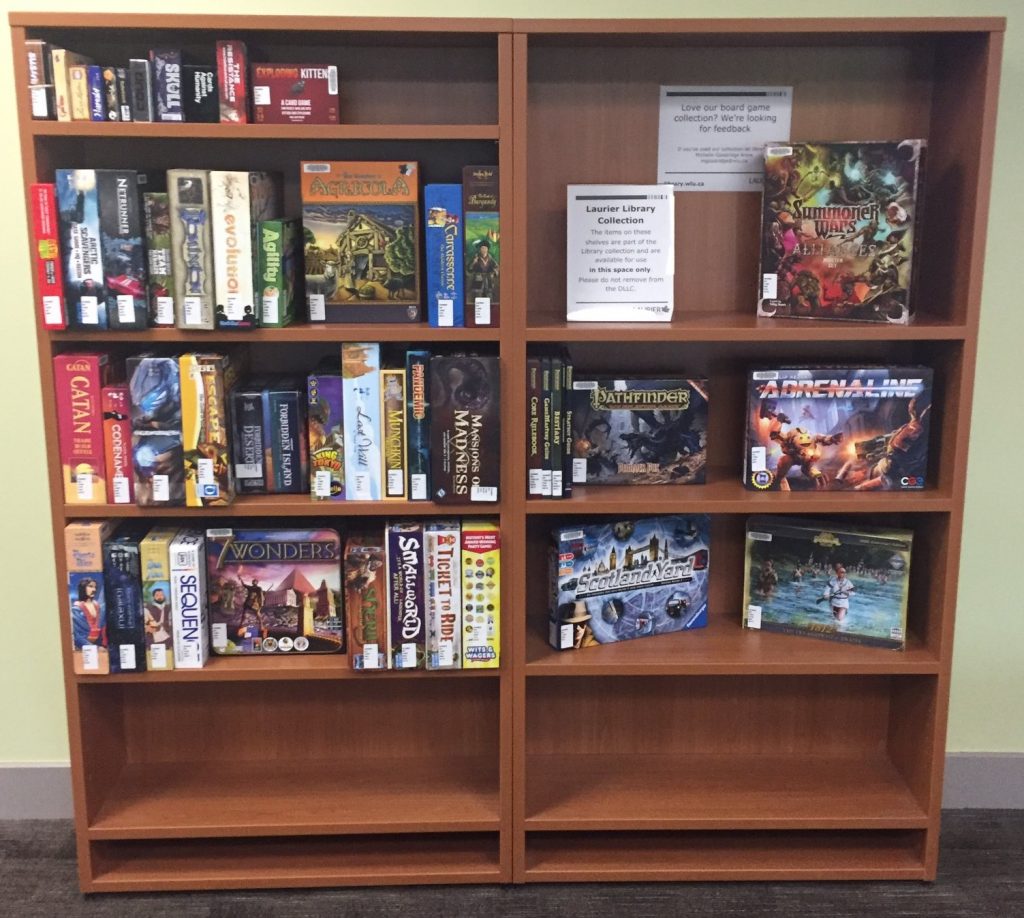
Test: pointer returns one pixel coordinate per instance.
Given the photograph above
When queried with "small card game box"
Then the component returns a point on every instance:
(295, 93)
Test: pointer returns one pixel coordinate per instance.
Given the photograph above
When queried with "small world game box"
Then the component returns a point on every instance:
(839, 230)
(838, 429)
(827, 580)
(628, 579)
(275, 591)
(639, 431)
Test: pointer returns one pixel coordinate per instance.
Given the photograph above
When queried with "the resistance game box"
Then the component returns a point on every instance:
(838, 428)
(839, 228)
(828, 580)
(275, 591)
(639, 431)
(628, 579)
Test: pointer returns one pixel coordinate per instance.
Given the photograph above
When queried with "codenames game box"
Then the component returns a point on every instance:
(838, 428)
(839, 230)
(628, 579)
(275, 591)
(829, 580)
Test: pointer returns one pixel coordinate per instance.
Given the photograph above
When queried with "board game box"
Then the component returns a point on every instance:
(838, 428)
(360, 371)
(828, 580)
(417, 420)
(407, 632)
(117, 442)
(393, 433)
(122, 581)
(639, 431)
(206, 383)
(122, 247)
(275, 591)
(443, 554)
(154, 387)
(628, 579)
(191, 248)
(839, 230)
(78, 380)
(83, 544)
(156, 209)
(278, 260)
(361, 227)
(295, 93)
(285, 448)
(46, 256)
(189, 613)
(155, 559)
(366, 602)
(325, 419)
(481, 594)
(79, 221)
(482, 240)
(443, 255)
(233, 82)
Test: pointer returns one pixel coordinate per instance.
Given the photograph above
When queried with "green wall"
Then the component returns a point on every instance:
(988, 678)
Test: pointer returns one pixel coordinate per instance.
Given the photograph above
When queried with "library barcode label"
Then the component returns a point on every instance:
(122, 493)
(753, 616)
(396, 482)
(408, 658)
(126, 308)
(445, 313)
(83, 487)
(418, 487)
(204, 472)
(759, 536)
(371, 653)
(51, 310)
(317, 309)
(161, 488)
(90, 657)
(165, 310)
(193, 307)
(248, 470)
(158, 656)
(479, 492)
(89, 310)
(126, 656)
(769, 286)
(322, 483)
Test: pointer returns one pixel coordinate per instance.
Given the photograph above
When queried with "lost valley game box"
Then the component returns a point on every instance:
(628, 579)
(839, 230)
(838, 429)
(828, 580)
(639, 431)
(275, 591)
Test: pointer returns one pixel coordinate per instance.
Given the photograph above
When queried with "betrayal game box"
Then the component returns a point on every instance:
(838, 429)
(628, 579)
(639, 431)
(828, 580)
(839, 229)
(275, 591)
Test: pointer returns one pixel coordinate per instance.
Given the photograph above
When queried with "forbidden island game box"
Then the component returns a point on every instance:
(628, 579)
(275, 591)
(828, 580)
(838, 429)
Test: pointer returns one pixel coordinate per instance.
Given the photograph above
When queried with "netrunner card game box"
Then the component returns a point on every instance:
(838, 428)
(827, 579)
(275, 590)
(628, 579)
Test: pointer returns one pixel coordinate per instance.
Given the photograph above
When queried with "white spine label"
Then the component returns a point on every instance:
(270, 312)
(126, 309)
(90, 657)
(193, 306)
(418, 487)
(317, 309)
(83, 486)
(52, 313)
(482, 310)
(478, 492)
(89, 308)
(753, 616)
(445, 312)
(261, 95)
(204, 472)
(161, 488)
(322, 483)
(408, 656)
(396, 482)
(121, 490)
(579, 471)
(165, 310)
(758, 459)
(769, 286)
(126, 656)
(371, 652)
(158, 656)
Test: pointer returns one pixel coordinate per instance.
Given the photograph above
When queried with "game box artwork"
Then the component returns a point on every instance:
(828, 580)
(275, 591)
(838, 429)
(628, 579)
(839, 230)
(360, 224)
(639, 431)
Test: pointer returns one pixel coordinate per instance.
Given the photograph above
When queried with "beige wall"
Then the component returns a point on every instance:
(988, 683)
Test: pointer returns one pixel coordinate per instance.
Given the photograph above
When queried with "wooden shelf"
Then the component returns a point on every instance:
(741, 325)
(265, 863)
(597, 792)
(638, 857)
(280, 667)
(293, 334)
(356, 795)
(725, 648)
(243, 132)
(278, 505)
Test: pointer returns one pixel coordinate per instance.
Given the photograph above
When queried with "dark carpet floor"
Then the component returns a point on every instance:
(981, 874)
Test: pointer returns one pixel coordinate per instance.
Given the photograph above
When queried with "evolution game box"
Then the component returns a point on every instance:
(839, 230)
(828, 580)
(628, 579)
(639, 431)
(838, 429)
(275, 591)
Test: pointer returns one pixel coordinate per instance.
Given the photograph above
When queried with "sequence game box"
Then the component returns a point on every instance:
(639, 431)
(838, 428)
(628, 579)
(275, 591)
(839, 229)
(828, 580)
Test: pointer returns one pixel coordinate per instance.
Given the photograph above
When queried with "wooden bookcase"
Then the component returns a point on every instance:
(711, 755)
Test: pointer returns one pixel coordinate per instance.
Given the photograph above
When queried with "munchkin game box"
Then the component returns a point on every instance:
(628, 579)
(838, 429)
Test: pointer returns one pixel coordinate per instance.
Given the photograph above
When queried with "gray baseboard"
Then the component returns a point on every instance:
(974, 781)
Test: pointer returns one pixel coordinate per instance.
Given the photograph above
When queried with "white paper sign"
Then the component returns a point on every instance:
(711, 138)
(621, 253)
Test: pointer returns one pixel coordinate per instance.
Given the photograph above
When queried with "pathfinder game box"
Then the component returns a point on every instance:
(361, 227)
(417, 419)
(628, 579)
(828, 580)
(838, 429)
(639, 431)
(839, 229)
(275, 591)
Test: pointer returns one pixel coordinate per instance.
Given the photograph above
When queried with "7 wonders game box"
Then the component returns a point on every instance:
(838, 429)
(628, 579)
(639, 431)
(839, 229)
(275, 591)
(828, 580)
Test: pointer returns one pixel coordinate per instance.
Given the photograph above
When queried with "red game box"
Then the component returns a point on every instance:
(295, 93)
(46, 252)
(77, 381)
(233, 82)
(117, 440)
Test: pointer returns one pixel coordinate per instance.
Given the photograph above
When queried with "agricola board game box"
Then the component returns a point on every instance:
(827, 579)
(275, 591)
(839, 230)
(361, 226)
(639, 431)
(628, 579)
(838, 428)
